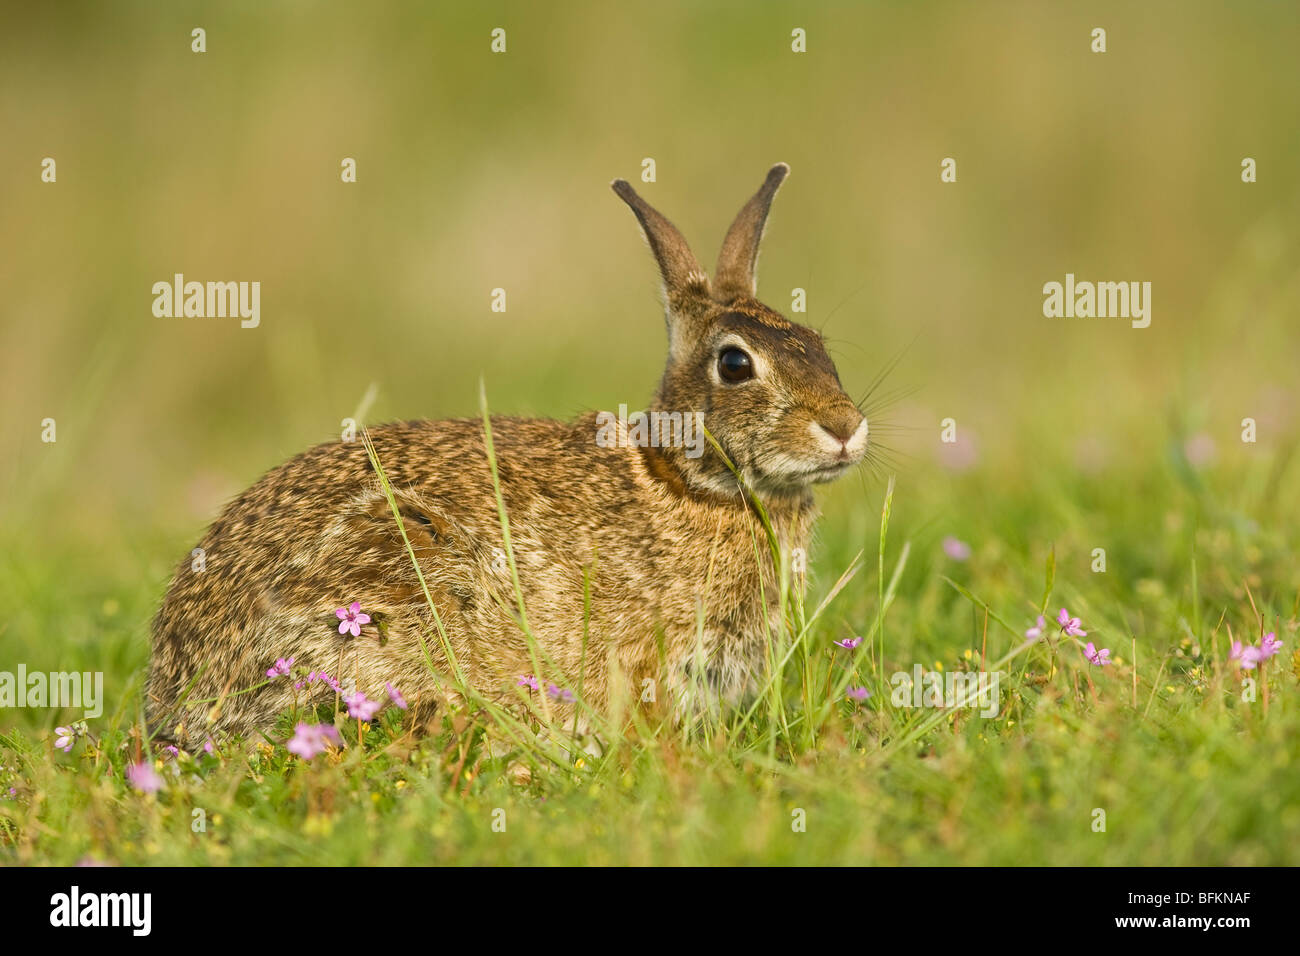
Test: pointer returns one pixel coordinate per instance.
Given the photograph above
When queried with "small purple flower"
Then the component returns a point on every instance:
(144, 778)
(1035, 632)
(310, 739)
(956, 548)
(961, 453)
(362, 708)
(64, 738)
(351, 618)
(395, 696)
(1199, 450)
(1269, 646)
(858, 693)
(325, 679)
(172, 750)
(1244, 657)
(207, 746)
(1070, 625)
(849, 643)
(1098, 657)
(281, 668)
(560, 693)
(527, 681)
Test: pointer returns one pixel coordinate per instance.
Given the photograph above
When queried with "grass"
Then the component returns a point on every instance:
(1185, 769)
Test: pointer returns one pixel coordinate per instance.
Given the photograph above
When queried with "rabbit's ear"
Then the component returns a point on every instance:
(734, 276)
(683, 277)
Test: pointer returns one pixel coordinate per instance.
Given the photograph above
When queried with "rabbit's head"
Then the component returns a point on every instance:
(767, 390)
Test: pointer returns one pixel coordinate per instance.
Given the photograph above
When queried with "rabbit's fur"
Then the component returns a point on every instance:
(665, 548)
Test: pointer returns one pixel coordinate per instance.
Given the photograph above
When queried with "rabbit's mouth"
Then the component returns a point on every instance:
(820, 474)
(825, 473)
(828, 456)
(840, 444)
(796, 474)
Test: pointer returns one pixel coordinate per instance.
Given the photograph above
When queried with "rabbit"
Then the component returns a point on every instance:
(637, 560)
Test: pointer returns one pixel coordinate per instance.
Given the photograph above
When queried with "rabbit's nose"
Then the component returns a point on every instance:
(841, 424)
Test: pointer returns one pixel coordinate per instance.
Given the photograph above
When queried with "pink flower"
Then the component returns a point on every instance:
(310, 739)
(1070, 625)
(362, 708)
(1269, 646)
(395, 696)
(956, 548)
(172, 750)
(858, 693)
(64, 738)
(1199, 450)
(207, 746)
(849, 643)
(1035, 632)
(560, 693)
(281, 668)
(144, 778)
(1244, 657)
(351, 618)
(325, 679)
(960, 454)
(527, 681)
(1099, 657)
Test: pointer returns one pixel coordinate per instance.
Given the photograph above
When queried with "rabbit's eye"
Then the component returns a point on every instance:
(735, 365)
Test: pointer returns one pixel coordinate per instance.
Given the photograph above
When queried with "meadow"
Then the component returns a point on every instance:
(1096, 467)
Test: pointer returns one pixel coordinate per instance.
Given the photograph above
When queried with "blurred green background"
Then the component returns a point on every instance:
(478, 171)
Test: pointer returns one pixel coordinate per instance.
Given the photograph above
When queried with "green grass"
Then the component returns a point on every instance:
(1184, 768)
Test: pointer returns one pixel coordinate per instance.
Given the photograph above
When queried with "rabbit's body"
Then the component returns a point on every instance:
(634, 562)
(318, 533)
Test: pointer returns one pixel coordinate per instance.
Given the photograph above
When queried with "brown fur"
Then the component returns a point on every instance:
(661, 534)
